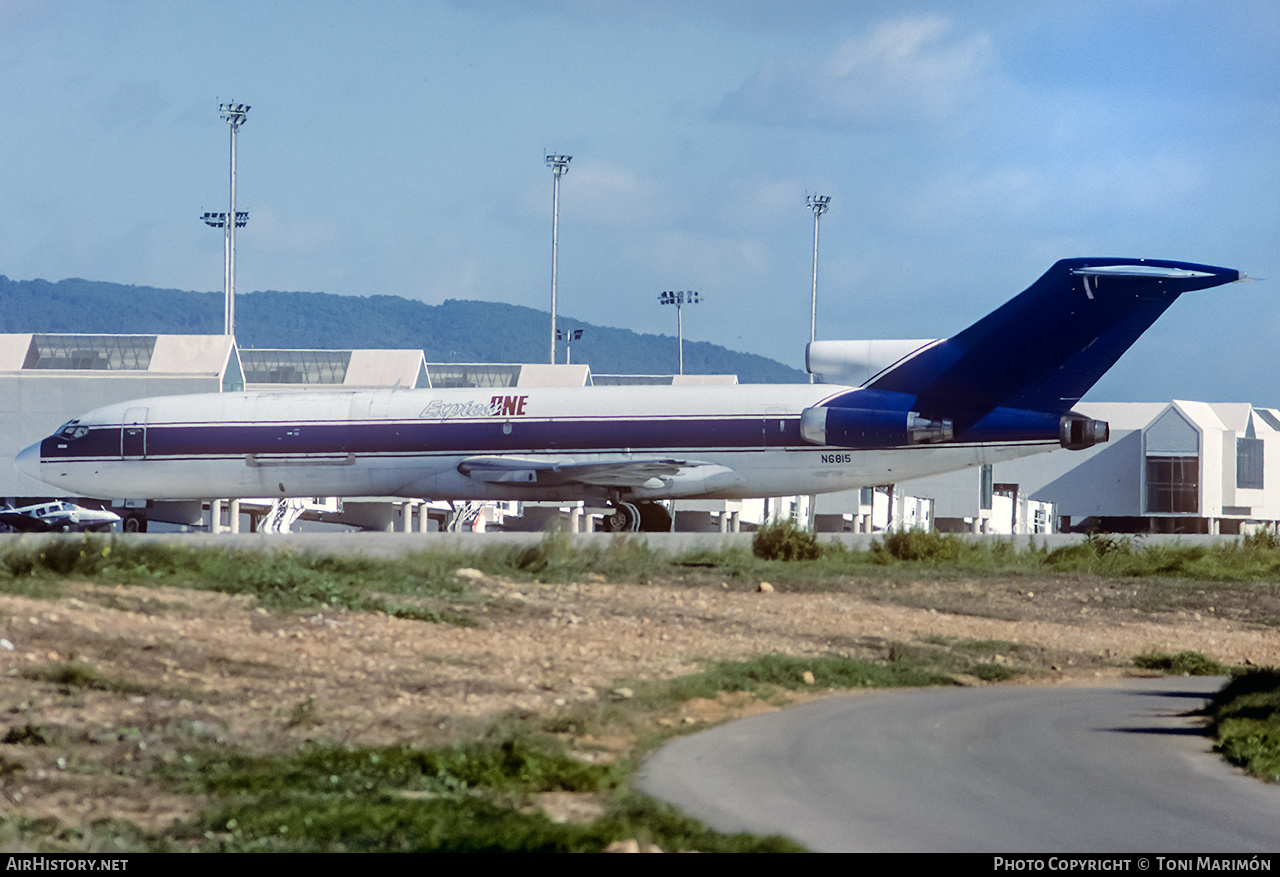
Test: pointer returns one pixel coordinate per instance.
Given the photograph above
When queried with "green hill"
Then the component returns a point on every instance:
(455, 331)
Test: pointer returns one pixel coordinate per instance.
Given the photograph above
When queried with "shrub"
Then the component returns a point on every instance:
(785, 541)
(1102, 544)
(1183, 664)
(1261, 540)
(919, 545)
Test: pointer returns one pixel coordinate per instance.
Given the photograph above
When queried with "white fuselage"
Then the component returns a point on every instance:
(730, 442)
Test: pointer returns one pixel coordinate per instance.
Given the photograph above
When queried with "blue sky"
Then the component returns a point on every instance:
(397, 148)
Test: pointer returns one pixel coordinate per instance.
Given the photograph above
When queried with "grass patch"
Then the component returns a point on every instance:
(70, 676)
(286, 580)
(336, 824)
(1187, 663)
(290, 580)
(418, 613)
(463, 798)
(10, 766)
(904, 667)
(764, 673)
(458, 826)
(143, 606)
(275, 579)
(39, 588)
(555, 559)
(26, 735)
(1245, 721)
(1248, 559)
(988, 653)
(978, 646)
(512, 766)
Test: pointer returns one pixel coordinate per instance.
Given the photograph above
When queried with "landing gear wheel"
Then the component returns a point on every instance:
(134, 523)
(625, 519)
(654, 518)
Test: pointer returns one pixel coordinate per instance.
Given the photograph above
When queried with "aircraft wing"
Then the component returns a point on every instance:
(23, 523)
(688, 477)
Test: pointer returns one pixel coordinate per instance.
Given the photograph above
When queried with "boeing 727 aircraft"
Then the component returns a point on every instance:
(1002, 388)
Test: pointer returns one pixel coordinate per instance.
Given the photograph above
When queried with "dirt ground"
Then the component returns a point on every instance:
(191, 667)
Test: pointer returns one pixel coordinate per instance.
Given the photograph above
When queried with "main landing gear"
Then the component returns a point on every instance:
(634, 517)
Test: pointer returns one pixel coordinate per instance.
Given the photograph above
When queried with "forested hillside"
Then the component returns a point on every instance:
(457, 331)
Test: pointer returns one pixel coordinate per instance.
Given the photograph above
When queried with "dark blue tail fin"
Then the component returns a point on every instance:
(1042, 350)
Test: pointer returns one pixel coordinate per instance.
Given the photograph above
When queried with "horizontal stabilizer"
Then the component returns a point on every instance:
(1140, 271)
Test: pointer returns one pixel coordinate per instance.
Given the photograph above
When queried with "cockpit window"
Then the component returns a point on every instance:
(72, 430)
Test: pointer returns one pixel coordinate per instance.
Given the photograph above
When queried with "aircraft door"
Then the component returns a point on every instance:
(781, 428)
(133, 434)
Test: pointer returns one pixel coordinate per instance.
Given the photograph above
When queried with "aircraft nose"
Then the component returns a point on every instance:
(28, 461)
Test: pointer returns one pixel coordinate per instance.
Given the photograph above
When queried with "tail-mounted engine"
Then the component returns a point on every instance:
(894, 428)
(1077, 432)
(871, 428)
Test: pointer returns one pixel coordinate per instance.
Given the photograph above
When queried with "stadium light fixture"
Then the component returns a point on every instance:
(559, 165)
(234, 115)
(569, 336)
(680, 298)
(819, 204)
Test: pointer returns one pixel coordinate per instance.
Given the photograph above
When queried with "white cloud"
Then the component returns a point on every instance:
(759, 204)
(952, 201)
(607, 194)
(1147, 185)
(598, 193)
(1050, 198)
(688, 260)
(280, 235)
(900, 70)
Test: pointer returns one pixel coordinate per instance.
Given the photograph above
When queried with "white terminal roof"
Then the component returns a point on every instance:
(663, 380)
(157, 354)
(325, 369)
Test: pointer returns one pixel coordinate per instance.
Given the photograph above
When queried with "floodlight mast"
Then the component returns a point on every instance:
(819, 205)
(679, 298)
(235, 115)
(559, 164)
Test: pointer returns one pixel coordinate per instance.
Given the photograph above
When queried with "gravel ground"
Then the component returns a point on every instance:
(193, 667)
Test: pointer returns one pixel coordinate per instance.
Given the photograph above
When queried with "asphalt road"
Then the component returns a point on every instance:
(994, 769)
